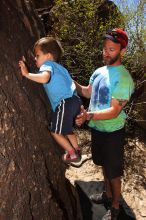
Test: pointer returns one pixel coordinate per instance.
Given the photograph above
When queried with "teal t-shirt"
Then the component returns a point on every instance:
(109, 82)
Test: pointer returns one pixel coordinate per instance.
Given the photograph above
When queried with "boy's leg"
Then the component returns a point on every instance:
(62, 141)
(71, 155)
(61, 126)
(73, 140)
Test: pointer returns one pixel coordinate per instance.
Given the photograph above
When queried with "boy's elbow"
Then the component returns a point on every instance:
(45, 80)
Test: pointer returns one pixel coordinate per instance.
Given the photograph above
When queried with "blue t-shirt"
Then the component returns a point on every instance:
(60, 85)
(109, 82)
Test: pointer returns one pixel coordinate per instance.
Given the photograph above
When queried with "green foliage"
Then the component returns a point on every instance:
(80, 25)
(135, 58)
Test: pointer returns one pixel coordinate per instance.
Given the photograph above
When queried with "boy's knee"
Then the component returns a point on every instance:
(53, 134)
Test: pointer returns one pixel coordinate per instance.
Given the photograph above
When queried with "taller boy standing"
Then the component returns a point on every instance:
(110, 88)
(61, 92)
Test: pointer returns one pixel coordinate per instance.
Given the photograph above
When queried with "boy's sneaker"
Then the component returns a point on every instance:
(101, 198)
(68, 158)
(112, 214)
(78, 151)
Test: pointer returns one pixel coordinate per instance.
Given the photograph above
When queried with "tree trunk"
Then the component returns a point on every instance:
(33, 179)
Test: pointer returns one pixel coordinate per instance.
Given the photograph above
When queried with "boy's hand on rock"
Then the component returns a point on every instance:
(23, 67)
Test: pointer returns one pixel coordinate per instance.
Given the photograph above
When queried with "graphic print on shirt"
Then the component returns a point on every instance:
(101, 92)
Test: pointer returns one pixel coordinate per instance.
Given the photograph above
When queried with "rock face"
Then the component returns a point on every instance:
(33, 182)
(140, 104)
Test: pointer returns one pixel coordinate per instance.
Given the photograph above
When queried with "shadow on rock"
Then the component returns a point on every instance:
(93, 211)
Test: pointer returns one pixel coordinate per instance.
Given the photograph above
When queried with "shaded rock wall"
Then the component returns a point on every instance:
(33, 183)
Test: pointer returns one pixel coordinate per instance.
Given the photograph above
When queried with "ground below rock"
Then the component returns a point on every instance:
(87, 178)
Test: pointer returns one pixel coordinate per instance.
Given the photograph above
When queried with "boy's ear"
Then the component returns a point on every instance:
(49, 55)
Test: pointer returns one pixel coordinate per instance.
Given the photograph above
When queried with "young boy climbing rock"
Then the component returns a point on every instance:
(61, 92)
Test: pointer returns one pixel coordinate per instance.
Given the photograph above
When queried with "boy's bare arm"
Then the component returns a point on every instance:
(40, 77)
(83, 90)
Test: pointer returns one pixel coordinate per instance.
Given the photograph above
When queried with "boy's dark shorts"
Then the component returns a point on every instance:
(64, 116)
(107, 151)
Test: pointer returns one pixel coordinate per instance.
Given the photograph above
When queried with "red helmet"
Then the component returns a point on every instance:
(118, 35)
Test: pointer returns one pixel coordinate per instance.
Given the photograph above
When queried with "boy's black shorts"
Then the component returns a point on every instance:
(107, 150)
(64, 116)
